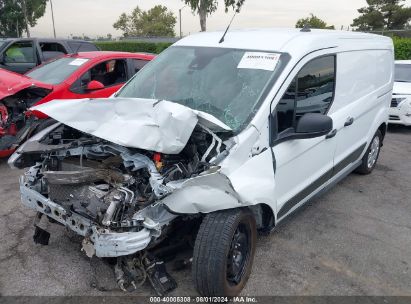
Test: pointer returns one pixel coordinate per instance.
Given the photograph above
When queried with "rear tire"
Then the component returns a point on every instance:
(370, 158)
(224, 252)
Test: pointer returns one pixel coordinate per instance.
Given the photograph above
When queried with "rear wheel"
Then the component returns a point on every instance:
(369, 160)
(224, 252)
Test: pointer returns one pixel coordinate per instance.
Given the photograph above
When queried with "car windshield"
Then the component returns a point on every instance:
(226, 83)
(2, 43)
(403, 72)
(57, 71)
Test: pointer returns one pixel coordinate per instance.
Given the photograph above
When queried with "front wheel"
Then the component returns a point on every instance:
(223, 252)
(369, 160)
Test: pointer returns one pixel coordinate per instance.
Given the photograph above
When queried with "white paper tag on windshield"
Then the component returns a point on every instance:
(78, 61)
(259, 61)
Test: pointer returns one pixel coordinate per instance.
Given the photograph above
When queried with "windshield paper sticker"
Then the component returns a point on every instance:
(259, 61)
(78, 61)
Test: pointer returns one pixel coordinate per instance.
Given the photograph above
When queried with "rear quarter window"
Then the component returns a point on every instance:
(52, 47)
(77, 46)
(52, 50)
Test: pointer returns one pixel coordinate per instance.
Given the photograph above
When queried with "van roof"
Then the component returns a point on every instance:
(292, 41)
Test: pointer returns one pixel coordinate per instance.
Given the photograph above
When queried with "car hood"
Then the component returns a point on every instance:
(155, 125)
(12, 83)
(402, 88)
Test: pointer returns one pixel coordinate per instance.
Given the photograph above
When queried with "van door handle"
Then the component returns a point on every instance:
(349, 122)
(331, 134)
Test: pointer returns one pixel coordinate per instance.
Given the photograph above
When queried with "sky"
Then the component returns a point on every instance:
(96, 17)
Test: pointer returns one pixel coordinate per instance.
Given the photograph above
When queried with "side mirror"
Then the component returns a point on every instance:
(2, 58)
(313, 125)
(310, 125)
(95, 85)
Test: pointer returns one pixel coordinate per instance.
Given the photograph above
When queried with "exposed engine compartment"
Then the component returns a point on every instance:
(112, 187)
(107, 183)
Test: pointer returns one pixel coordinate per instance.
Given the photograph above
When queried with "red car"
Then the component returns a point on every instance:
(82, 75)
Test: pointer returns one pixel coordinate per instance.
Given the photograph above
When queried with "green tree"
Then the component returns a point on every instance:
(313, 22)
(383, 15)
(158, 21)
(17, 16)
(204, 8)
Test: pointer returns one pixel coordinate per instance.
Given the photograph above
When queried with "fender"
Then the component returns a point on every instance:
(202, 194)
(245, 187)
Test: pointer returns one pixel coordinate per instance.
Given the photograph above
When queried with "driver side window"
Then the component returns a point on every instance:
(311, 91)
(109, 73)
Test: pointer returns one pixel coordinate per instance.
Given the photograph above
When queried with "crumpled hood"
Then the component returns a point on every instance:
(153, 125)
(12, 83)
(402, 88)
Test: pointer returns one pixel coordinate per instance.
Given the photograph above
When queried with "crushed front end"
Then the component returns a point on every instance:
(111, 195)
(16, 122)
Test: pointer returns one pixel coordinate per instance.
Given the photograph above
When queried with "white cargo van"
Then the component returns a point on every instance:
(400, 111)
(215, 139)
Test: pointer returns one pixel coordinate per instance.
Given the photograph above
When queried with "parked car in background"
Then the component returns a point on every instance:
(21, 55)
(214, 140)
(82, 75)
(400, 111)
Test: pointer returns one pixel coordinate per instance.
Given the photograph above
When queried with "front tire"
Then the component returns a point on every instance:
(224, 252)
(369, 160)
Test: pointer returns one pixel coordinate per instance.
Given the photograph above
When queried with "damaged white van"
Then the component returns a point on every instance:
(214, 141)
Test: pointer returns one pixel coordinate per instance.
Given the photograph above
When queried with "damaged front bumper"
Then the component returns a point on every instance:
(99, 241)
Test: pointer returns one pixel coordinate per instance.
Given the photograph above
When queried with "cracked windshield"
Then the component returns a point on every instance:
(226, 83)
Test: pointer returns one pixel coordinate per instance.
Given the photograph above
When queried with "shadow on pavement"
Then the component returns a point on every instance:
(399, 129)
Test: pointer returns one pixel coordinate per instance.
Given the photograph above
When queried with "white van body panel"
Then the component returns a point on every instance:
(366, 101)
